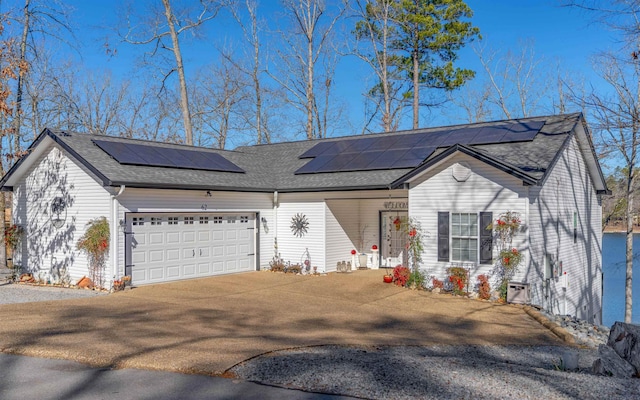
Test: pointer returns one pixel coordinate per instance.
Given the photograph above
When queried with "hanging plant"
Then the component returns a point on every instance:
(505, 228)
(95, 242)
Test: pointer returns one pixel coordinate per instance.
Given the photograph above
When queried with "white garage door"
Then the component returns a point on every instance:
(167, 247)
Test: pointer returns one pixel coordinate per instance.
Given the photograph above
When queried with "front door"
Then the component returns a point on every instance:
(393, 238)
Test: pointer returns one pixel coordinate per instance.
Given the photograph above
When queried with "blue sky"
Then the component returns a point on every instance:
(560, 34)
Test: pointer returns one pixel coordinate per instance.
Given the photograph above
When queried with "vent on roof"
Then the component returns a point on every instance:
(158, 156)
(395, 151)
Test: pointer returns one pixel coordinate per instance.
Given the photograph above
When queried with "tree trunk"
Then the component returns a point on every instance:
(184, 99)
(628, 289)
(416, 89)
(310, 95)
(17, 118)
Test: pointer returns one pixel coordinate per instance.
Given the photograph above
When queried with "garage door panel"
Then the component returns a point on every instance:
(173, 254)
(140, 239)
(178, 246)
(156, 238)
(188, 253)
(139, 275)
(218, 251)
(139, 257)
(231, 265)
(156, 256)
(173, 237)
(203, 268)
(189, 270)
(156, 273)
(231, 251)
(244, 264)
(218, 266)
(188, 237)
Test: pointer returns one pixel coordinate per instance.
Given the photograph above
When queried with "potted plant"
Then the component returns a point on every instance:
(387, 278)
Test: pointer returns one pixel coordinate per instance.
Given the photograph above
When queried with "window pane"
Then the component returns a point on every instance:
(455, 218)
(473, 222)
(473, 250)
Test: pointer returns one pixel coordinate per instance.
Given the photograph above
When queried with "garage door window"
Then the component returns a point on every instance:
(217, 220)
(188, 220)
(204, 220)
(138, 221)
(173, 221)
(156, 221)
(244, 219)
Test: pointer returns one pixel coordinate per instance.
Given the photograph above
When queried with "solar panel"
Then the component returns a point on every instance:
(149, 155)
(316, 150)
(119, 151)
(408, 150)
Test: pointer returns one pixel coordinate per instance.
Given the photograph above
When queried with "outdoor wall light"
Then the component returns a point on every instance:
(264, 224)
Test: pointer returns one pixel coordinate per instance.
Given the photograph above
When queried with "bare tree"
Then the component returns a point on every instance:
(11, 67)
(617, 108)
(39, 20)
(220, 90)
(167, 25)
(617, 122)
(373, 33)
(252, 67)
(308, 39)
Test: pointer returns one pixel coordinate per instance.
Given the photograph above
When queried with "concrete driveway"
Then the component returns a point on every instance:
(208, 325)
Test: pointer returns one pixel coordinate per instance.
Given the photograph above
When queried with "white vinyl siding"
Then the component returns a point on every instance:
(49, 251)
(291, 247)
(567, 200)
(486, 190)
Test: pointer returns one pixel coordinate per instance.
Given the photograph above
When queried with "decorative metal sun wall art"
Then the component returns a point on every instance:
(299, 225)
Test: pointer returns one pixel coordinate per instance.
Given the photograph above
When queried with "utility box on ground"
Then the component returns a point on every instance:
(518, 293)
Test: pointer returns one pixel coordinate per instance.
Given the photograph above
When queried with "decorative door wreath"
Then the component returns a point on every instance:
(299, 225)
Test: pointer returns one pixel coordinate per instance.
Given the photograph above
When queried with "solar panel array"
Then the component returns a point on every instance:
(141, 154)
(407, 150)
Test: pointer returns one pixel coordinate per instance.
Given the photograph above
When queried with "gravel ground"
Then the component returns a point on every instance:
(19, 293)
(437, 372)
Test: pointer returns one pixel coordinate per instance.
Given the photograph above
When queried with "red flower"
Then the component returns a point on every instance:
(412, 232)
(353, 252)
(374, 247)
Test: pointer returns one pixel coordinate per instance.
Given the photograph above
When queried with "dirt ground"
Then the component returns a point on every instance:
(208, 325)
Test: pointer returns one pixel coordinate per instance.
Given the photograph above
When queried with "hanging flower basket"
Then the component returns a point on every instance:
(398, 223)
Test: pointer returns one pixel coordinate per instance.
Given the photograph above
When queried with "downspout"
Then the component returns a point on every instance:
(275, 223)
(113, 227)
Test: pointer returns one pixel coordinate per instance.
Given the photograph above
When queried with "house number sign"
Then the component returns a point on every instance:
(395, 205)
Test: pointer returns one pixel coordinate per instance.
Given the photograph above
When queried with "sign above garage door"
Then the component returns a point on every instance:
(164, 247)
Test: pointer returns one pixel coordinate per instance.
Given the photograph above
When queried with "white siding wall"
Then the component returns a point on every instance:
(164, 200)
(292, 247)
(346, 215)
(486, 190)
(568, 189)
(49, 251)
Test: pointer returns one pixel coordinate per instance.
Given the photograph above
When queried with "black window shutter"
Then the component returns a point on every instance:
(443, 236)
(486, 238)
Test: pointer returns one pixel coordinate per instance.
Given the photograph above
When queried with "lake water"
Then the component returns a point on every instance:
(613, 267)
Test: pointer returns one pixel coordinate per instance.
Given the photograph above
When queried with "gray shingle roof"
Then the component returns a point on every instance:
(272, 166)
